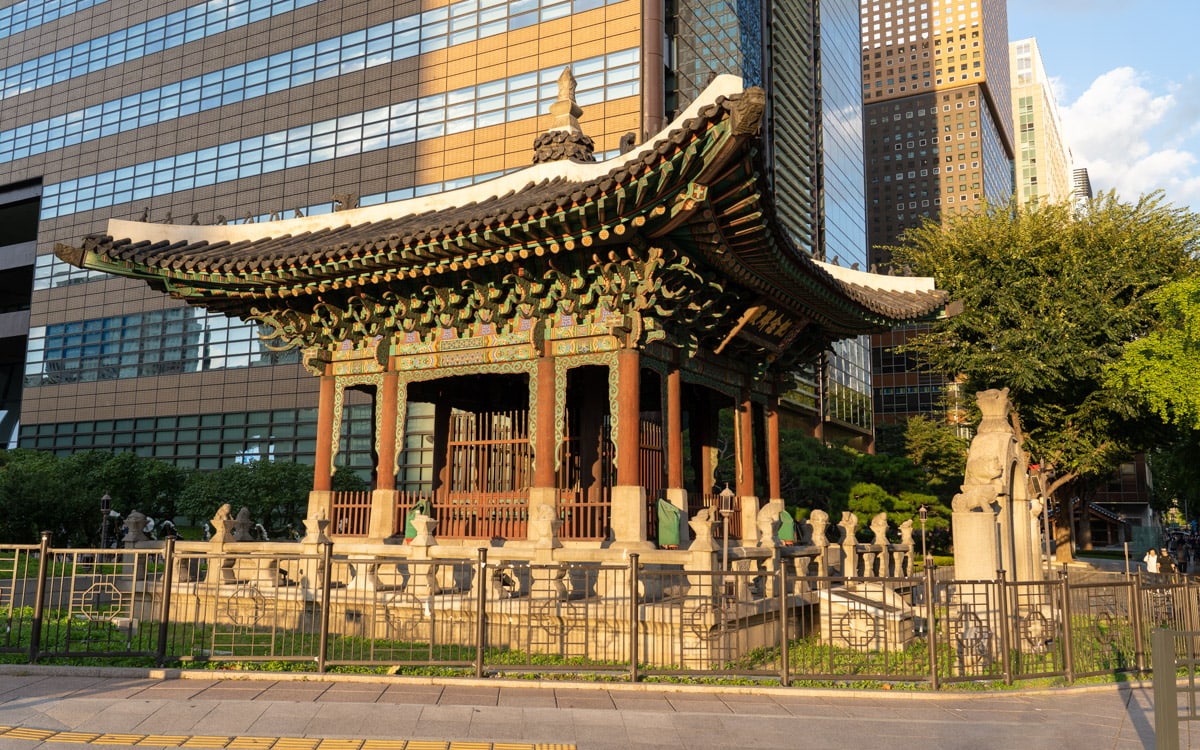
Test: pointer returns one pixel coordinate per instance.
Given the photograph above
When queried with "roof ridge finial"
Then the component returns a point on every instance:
(565, 109)
(565, 138)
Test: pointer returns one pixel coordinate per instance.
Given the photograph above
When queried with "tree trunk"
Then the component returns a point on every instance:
(1064, 535)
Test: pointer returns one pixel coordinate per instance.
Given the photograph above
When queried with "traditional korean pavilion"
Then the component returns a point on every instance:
(577, 327)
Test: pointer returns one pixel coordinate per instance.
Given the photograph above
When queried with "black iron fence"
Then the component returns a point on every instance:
(483, 613)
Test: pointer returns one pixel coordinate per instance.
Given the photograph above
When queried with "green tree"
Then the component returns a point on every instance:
(868, 500)
(133, 482)
(41, 491)
(275, 492)
(1050, 297)
(1159, 369)
(1176, 481)
(33, 489)
(940, 452)
(814, 476)
(835, 478)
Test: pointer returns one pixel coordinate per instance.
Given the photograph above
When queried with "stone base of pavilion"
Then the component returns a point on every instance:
(692, 609)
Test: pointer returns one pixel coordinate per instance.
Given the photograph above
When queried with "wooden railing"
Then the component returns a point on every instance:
(652, 471)
(350, 514)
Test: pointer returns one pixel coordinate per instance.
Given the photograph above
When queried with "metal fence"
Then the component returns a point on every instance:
(1176, 664)
(490, 614)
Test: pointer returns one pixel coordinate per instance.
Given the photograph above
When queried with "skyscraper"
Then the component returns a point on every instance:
(231, 112)
(938, 137)
(1043, 159)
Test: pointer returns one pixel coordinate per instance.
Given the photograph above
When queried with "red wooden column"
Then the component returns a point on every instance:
(320, 500)
(745, 448)
(745, 465)
(773, 484)
(628, 416)
(674, 430)
(544, 491)
(676, 494)
(544, 449)
(382, 523)
(385, 470)
(323, 463)
(628, 520)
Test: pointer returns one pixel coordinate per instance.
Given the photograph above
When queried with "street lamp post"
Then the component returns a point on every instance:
(726, 511)
(105, 507)
(924, 515)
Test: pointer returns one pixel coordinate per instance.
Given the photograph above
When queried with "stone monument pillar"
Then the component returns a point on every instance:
(991, 515)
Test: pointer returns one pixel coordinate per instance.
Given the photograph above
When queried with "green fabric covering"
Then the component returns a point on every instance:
(668, 524)
(423, 507)
(787, 527)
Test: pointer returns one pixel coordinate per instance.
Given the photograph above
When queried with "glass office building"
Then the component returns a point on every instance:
(233, 111)
(937, 106)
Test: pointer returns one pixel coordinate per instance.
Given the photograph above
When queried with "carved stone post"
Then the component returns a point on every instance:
(222, 524)
(848, 525)
(423, 579)
(818, 522)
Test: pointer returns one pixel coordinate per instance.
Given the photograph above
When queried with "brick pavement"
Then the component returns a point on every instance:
(48, 707)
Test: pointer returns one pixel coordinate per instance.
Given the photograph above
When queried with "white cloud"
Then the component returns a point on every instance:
(1133, 140)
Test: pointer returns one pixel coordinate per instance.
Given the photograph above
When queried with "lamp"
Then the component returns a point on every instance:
(923, 513)
(726, 510)
(105, 507)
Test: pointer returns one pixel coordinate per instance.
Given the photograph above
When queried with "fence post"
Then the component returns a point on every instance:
(164, 616)
(1068, 643)
(785, 658)
(1189, 612)
(39, 602)
(633, 617)
(1005, 628)
(481, 614)
(326, 595)
(1139, 648)
(1166, 710)
(930, 624)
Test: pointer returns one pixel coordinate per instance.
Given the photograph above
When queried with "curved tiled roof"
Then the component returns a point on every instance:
(667, 189)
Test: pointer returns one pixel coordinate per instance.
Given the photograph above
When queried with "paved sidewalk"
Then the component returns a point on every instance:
(43, 707)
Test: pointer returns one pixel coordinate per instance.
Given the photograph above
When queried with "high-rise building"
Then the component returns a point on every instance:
(1043, 159)
(938, 137)
(230, 112)
(1081, 186)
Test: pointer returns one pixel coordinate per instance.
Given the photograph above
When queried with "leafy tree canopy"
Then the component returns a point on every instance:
(1050, 297)
(1160, 368)
(836, 478)
(40, 491)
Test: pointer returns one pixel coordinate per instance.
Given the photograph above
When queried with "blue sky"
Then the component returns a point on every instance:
(1127, 78)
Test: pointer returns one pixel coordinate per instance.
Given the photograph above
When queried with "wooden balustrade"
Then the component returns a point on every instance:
(350, 513)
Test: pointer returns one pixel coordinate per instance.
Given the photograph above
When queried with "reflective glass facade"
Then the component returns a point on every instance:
(937, 106)
(378, 45)
(139, 40)
(843, 199)
(178, 340)
(814, 141)
(29, 14)
(235, 111)
(709, 38)
(518, 97)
